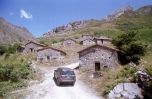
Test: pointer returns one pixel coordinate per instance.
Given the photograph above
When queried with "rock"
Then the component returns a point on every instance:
(143, 77)
(132, 64)
(125, 91)
(144, 81)
(64, 29)
(126, 10)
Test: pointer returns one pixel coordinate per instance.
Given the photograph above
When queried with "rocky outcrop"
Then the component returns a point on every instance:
(126, 91)
(119, 12)
(129, 11)
(73, 26)
(146, 10)
(10, 33)
(145, 82)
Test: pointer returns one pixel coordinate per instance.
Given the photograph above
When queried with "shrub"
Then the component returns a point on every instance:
(131, 48)
(13, 73)
(3, 49)
(8, 49)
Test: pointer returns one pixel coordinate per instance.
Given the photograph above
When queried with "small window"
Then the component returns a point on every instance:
(105, 66)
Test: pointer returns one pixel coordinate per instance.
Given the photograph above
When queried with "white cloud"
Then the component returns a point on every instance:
(26, 15)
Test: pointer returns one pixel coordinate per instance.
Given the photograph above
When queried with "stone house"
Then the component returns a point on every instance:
(97, 57)
(102, 41)
(69, 42)
(32, 47)
(87, 42)
(47, 54)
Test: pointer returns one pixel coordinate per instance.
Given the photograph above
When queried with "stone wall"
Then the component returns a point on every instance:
(103, 41)
(32, 48)
(49, 54)
(69, 42)
(87, 42)
(87, 37)
(106, 57)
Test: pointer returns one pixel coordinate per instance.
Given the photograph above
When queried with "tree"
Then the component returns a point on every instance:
(131, 48)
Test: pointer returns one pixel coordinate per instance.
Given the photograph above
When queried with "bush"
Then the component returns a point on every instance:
(3, 49)
(8, 49)
(131, 48)
(13, 72)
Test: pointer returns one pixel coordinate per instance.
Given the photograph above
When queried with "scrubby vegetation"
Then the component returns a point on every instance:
(14, 70)
(109, 79)
(121, 75)
(8, 49)
(131, 48)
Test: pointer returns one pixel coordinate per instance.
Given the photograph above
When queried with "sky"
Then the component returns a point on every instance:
(40, 16)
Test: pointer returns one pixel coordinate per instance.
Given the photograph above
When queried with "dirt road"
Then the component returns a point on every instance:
(47, 89)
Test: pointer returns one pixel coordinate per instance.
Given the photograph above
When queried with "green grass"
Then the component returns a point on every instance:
(142, 24)
(145, 35)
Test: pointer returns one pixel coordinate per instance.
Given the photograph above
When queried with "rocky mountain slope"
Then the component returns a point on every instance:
(64, 29)
(11, 33)
(118, 22)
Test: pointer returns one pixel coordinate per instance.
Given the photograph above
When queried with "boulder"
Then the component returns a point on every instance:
(126, 91)
(145, 82)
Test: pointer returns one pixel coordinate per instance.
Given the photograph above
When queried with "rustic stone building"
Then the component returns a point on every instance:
(102, 41)
(69, 42)
(47, 54)
(32, 47)
(87, 36)
(87, 42)
(97, 57)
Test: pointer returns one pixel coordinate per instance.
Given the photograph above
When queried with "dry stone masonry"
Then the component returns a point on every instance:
(69, 42)
(48, 54)
(98, 56)
(32, 47)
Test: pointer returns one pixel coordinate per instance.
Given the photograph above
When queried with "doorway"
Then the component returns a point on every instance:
(97, 66)
(48, 58)
(31, 50)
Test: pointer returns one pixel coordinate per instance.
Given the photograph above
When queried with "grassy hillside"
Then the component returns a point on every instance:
(141, 24)
(140, 21)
